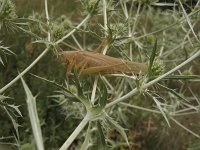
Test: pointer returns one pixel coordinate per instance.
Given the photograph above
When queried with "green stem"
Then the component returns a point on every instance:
(76, 132)
(158, 112)
(145, 86)
(105, 21)
(47, 17)
(140, 108)
(25, 71)
(66, 36)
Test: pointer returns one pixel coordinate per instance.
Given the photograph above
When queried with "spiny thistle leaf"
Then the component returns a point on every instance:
(116, 126)
(91, 6)
(161, 110)
(103, 94)
(102, 139)
(16, 108)
(3, 52)
(7, 15)
(15, 124)
(9, 110)
(183, 77)
(86, 142)
(33, 115)
(7, 10)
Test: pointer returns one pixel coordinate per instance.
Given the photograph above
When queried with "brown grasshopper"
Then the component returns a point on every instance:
(86, 62)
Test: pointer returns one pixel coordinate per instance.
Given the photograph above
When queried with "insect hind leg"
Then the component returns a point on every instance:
(81, 66)
(70, 66)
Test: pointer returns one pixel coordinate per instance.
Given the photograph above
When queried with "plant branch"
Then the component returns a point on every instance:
(40, 56)
(78, 129)
(105, 23)
(145, 86)
(71, 32)
(47, 17)
(140, 108)
(158, 112)
(25, 71)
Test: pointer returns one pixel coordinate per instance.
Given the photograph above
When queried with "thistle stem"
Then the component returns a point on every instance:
(78, 129)
(145, 86)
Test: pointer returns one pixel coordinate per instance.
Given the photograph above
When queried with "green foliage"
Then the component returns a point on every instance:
(7, 10)
(12, 112)
(157, 68)
(3, 52)
(60, 26)
(91, 6)
(7, 16)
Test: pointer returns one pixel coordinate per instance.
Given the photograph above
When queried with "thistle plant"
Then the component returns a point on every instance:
(103, 111)
(7, 17)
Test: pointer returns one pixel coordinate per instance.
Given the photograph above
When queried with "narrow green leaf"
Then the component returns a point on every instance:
(161, 110)
(12, 115)
(101, 140)
(35, 123)
(188, 20)
(183, 77)
(15, 124)
(163, 4)
(16, 108)
(78, 86)
(152, 57)
(104, 94)
(179, 96)
(3, 52)
(173, 92)
(1, 61)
